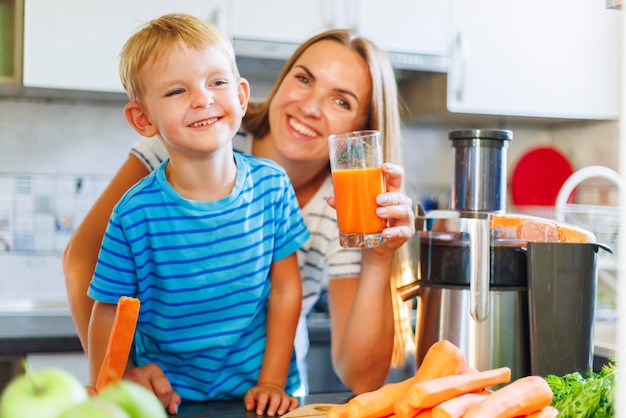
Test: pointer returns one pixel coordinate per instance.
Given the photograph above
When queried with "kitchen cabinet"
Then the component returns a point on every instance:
(10, 41)
(412, 32)
(75, 45)
(558, 58)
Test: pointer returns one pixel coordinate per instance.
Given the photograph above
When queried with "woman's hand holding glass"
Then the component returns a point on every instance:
(396, 208)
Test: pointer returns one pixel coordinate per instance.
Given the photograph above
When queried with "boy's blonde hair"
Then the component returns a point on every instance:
(160, 35)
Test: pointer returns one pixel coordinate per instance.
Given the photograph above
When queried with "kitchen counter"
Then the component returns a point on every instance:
(235, 409)
(22, 333)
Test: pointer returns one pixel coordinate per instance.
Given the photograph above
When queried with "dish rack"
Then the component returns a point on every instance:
(602, 221)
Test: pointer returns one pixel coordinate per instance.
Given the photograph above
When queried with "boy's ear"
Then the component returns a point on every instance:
(139, 120)
(244, 94)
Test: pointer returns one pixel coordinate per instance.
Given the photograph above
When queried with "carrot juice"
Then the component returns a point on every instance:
(355, 197)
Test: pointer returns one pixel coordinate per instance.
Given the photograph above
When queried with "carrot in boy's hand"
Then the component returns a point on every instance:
(120, 342)
(432, 392)
(524, 396)
(442, 359)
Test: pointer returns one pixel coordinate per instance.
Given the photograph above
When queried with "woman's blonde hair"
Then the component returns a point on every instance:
(384, 116)
(162, 34)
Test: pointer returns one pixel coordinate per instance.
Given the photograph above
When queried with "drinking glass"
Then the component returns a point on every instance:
(356, 160)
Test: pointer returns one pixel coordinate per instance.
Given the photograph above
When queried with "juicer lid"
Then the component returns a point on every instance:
(481, 134)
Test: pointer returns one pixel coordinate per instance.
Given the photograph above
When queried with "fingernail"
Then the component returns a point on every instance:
(388, 166)
(176, 408)
(387, 233)
(381, 211)
(381, 198)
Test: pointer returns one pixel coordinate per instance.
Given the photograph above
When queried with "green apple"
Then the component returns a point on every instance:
(43, 393)
(94, 407)
(137, 401)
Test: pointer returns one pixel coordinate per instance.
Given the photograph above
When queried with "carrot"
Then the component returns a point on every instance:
(432, 392)
(547, 412)
(338, 411)
(521, 397)
(456, 407)
(378, 403)
(442, 359)
(424, 413)
(120, 341)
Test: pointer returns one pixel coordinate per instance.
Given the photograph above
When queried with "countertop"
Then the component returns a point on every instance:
(54, 331)
(235, 409)
(51, 332)
(23, 332)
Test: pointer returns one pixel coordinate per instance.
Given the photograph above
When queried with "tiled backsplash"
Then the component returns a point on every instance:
(38, 212)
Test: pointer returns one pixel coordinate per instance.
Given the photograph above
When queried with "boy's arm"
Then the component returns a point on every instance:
(282, 320)
(100, 327)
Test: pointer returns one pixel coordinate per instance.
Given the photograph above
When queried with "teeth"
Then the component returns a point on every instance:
(301, 128)
(203, 123)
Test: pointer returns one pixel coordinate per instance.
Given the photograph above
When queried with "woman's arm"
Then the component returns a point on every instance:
(362, 326)
(81, 253)
(361, 309)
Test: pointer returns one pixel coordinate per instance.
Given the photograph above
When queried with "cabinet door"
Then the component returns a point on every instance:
(291, 21)
(557, 58)
(412, 32)
(75, 44)
(411, 26)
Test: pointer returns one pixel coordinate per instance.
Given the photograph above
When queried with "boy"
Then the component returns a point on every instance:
(208, 241)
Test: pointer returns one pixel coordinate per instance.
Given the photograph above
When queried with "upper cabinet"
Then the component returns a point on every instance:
(412, 32)
(11, 18)
(557, 59)
(76, 44)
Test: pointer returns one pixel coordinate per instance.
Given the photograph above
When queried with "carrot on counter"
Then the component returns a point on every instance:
(524, 396)
(338, 411)
(378, 403)
(442, 359)
(547, 412)
(424, 413)
(432, 392)
(120, 342)
(457, 407)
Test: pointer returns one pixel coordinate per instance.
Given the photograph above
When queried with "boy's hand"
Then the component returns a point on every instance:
(152, 377)
(270, 396)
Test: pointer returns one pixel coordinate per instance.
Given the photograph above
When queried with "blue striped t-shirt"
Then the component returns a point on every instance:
(201, 272)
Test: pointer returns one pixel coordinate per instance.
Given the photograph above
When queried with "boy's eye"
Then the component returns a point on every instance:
(174, 92)
(218, 83)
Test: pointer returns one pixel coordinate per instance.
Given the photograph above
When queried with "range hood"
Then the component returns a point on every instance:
(263, 57)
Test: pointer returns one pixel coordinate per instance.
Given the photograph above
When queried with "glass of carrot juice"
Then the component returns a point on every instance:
(356, 160)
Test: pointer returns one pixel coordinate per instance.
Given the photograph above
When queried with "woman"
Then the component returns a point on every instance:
(335, 82)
